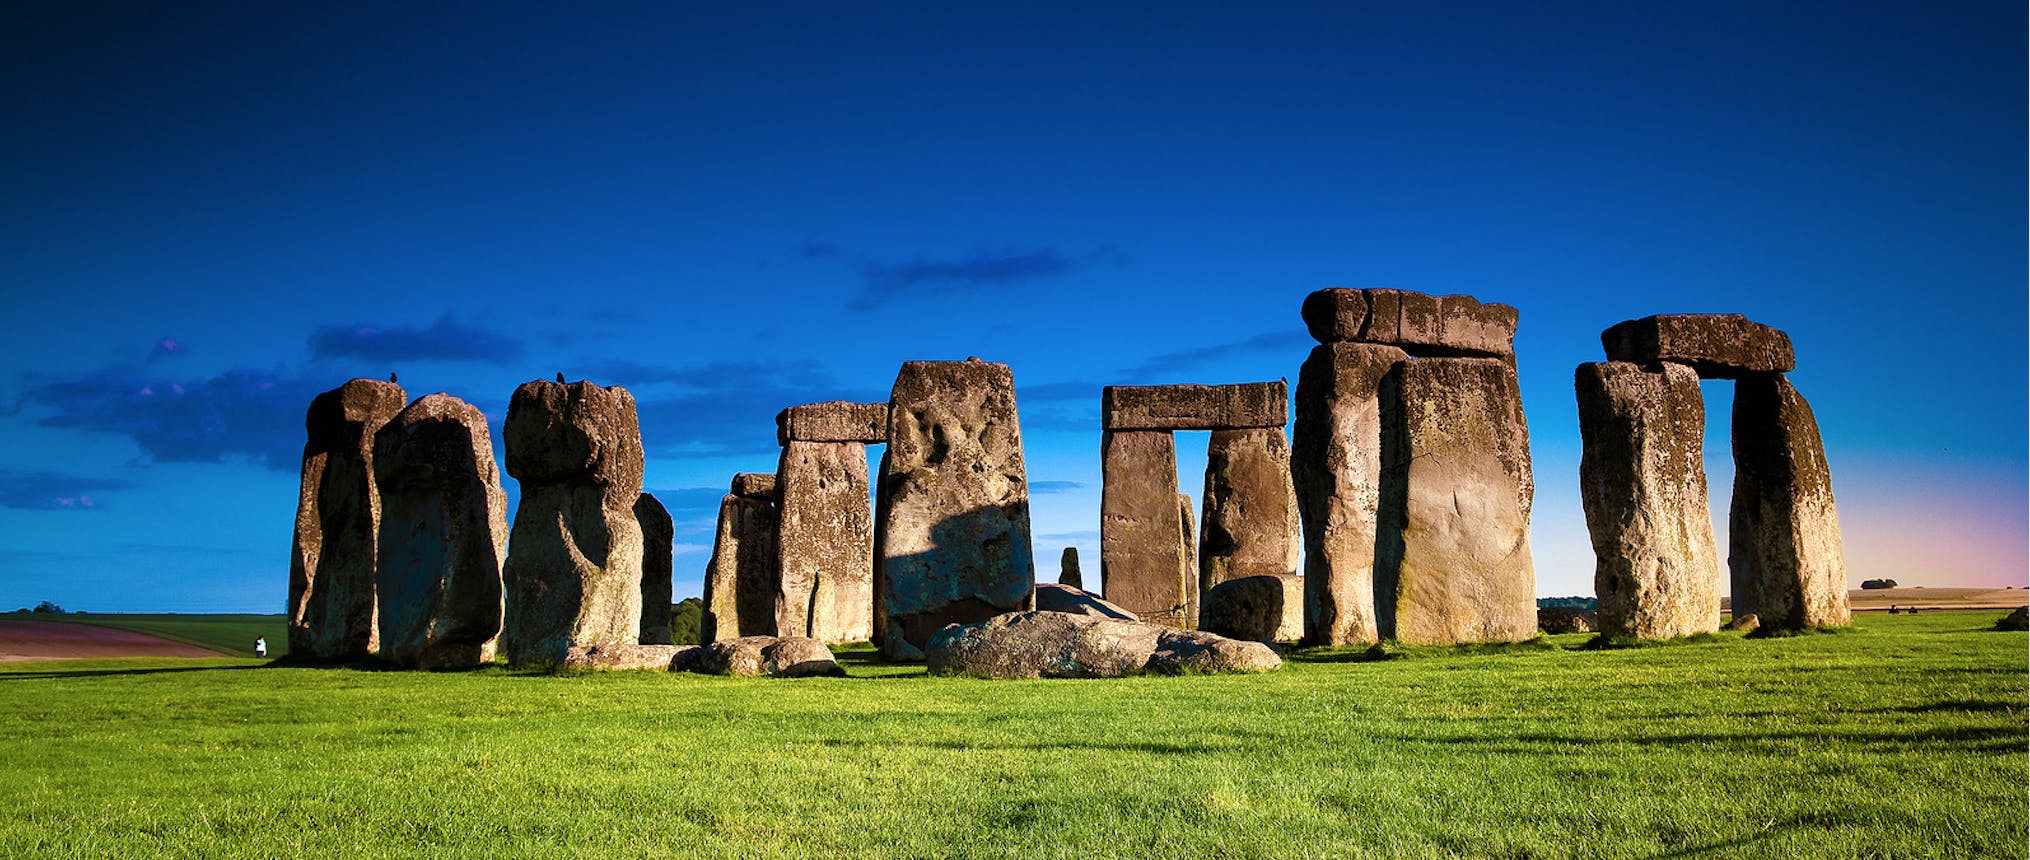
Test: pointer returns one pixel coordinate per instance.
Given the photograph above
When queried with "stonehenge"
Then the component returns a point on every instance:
(740, 579)
(443, 536)
(1642, 423)
(332, 614)
(825, 534)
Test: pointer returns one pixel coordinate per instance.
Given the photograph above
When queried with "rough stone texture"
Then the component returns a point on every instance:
(1565, 620)
(1335, 315)
(1335, 457)
(645, 657)
(1043, 645)
(1187, 562)
(1197, 652)
(443, 535)
(1642, 479)
(2017, 619)
(825, 544)
(1067, 569)
(1250, 526)
(1454, 565)
(658, 568)
(1194, 407)
(574, 557)
(953, 527)
(331, 565)
(757, 485)
(1065, 598)
(1784, 549)
(1718, 346)
(1421, 324)
(740, 579)
(1267, 608)
(832, 421)
(776, 657)
(1745, 623)
(1143, 566)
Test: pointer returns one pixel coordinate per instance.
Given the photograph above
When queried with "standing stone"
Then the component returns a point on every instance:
(443, 535)
(574, 558)
(1336, 468)
(1784, 537)
(331, 566)
(1140, 556)
(826, 543)
(1187, 563)
(740, 580)
(1456, 486)
(1067, 569)
(1642, 478)
(658, 568)
(953, 528)
(1250, 527)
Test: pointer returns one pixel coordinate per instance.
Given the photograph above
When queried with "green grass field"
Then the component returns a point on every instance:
(226, 634)
(1905, 737)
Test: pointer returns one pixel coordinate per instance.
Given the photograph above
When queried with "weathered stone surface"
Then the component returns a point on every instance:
(1456, 488)
(1194, 407)
(1335, 454)
(2017, 619)
(757, 485)
(1642, 479)
(1065, 598)
(443, 535)
(740, 579)
(658, 568)
(1043, 645)
(1187, 563)
(646, 657)
(1422, 325)
(1784, 550)
(1143, 565)
(1565, 620)
(331, 564)
(574, 560)
(1250, 527)
(1197, 652)
(1718, 346)
(832, 421)
(1748, 623)
(825, 547)
(953, 527)
(1264, 608)
(1067, 569)
(777, 657)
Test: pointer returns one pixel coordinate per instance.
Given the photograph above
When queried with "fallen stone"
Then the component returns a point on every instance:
(1335, 458)
(442, 538)
(1748, 623)
(757, 485)
(574, 560)
(2017, 619)
(1067, 569)
(658, 568)
(833, 421)
(1264, 608)
(1043, 645)
(646, 657)
(332, 614)
(1642, 479)
(1065, 598)
(740, 578)
(1197, 652)
(1718, 346)
(825, 543)
(1144, 567)
(1784, 550)
(1250, 527)
(776, 657)
(1194, 407)
(1560, 619)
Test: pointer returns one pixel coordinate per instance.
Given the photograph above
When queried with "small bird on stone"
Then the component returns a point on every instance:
(391, 376)
(560, 376)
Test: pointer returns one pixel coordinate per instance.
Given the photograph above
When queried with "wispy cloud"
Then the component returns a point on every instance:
(884, 281)
(1045, 488)
(1168, 366)
(54, 491)
(447, 339)
(239, 415)
(714, 376)
(729, 407)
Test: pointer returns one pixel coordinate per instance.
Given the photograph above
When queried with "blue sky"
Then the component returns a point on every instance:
(211, 212)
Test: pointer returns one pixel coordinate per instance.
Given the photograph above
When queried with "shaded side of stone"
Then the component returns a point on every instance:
(1335, 467)
(1250, 526)
(1067, 569)
(1454, 562)
(1194, 407)
(1642, 480)
(1267, 608)
(658, 569)
(953, 519)
(756, 485)
(1140, 554)
(832, 421)
(1785, 555)
(1065, 598)
(442, 538)
(332, 613)
(825, 547)
(1718, 346)
(740, 579)
(1187, 562)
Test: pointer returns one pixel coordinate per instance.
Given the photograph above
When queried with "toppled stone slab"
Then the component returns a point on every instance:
(1250, 527)
(1267, 608)
(832, 421)
(1060, 645)
(2017, 619)
(1067, 569)
(1335, 457)
(757, 485)
(658, 569)
(1423, 325)
(1558, 619)
(1065, 598)
(741, 578)
(1197, 652)
(1194, 407)
(1784, 550)
(332, 613)
(1144, 566)
(443, 536)
(1748, 623)
(825, 543)
(774, 656)
(633, 658)
(1718, 346)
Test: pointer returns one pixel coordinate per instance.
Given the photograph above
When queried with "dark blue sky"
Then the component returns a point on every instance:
(210, 212)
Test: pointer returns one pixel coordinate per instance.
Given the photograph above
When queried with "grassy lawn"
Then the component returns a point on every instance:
(1904, 737)
(226, 634)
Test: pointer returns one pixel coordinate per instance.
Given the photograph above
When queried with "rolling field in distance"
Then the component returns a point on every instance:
(227, 634)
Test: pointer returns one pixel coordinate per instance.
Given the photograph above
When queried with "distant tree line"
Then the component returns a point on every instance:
(688, 618)
(1587, 603)
(43, 608)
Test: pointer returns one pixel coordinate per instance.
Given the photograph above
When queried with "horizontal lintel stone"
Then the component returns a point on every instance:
(1718, 346)
(755, 485)
(832, 421)
(1195, 407)
(1423, 325)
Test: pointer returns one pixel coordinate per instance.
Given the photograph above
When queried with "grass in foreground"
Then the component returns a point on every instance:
(226, 634)
(1903, 738)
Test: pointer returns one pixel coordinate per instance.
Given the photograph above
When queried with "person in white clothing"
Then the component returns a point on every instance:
(261, 646)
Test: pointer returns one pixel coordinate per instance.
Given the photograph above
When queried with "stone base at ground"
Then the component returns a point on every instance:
(774, 656)
(1255, 608)
(649, 658)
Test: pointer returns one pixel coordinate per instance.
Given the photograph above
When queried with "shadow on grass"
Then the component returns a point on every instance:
(44, 674)
(1390, 649)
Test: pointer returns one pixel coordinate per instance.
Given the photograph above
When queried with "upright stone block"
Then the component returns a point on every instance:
(1143, 565)
(443, 535)
(1642, 479)
(953, 528)
(1187, 564)
(826, 543)
(1250, 527)
(1194, 407)
(1785, 553)
(1336, 469)
(1718, 346)
(331, 564)
(1456, 487)
(1067, 569)
(574, 560)
(658, 568)
(740, 580)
